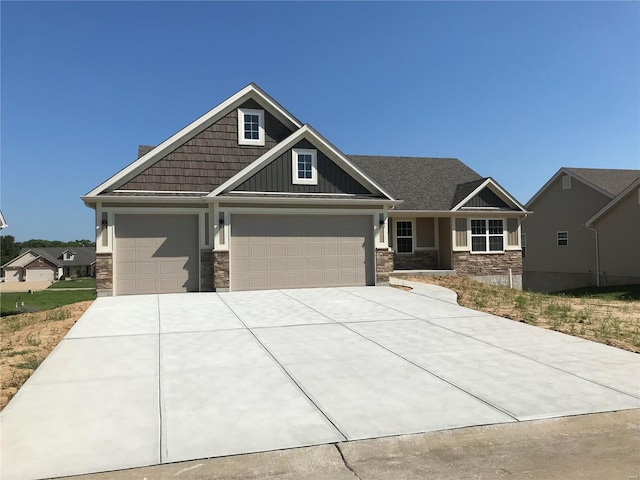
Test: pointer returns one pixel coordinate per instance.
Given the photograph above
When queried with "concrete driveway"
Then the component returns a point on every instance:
(152, 379)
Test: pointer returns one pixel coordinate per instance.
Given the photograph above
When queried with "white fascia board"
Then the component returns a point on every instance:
(459, 213)
(501, 192)
(195, 127)
(613, 203)
(305, 201)
(309, 133)
(91, 201)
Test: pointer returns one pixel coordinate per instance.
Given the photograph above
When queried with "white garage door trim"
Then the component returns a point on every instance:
(289, 251)
(184, 231)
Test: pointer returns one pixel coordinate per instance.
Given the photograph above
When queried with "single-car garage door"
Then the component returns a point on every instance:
(156, 254)
(291, 251)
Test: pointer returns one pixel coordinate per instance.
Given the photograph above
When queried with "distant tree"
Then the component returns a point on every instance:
(81, 243)
(9, 249)
(39, 243)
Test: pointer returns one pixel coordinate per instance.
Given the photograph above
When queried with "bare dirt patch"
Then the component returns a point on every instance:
(612, 322)
(26, 340)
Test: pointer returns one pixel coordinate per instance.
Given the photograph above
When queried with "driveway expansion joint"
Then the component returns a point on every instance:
(309, 397)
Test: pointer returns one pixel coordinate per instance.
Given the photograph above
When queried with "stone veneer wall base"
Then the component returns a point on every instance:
(384, 265)
(221, 270)
(206, 271)
(104, 274)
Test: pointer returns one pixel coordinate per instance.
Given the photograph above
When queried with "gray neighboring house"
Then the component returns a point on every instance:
(585, 230)
(248, 197)
(50, 264)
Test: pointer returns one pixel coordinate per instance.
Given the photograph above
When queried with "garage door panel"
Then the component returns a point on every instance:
(302, 251)
(156, 254)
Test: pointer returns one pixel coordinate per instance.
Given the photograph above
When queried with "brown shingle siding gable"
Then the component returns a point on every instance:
(209, 158)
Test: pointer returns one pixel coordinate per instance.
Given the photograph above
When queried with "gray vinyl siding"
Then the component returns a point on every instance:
(210, 158)
(486, 198)
(461, 232)
(277, 176)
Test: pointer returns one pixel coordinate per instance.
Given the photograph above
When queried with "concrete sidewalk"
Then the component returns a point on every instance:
(157, 379)
(588, 447)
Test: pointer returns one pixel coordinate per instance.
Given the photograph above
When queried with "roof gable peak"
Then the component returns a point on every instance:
(251, 91)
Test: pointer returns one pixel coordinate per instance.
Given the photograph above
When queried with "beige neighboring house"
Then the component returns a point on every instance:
(585, 230)
(248, 197)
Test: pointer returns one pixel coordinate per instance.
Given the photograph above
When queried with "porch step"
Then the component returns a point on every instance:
(423, 273)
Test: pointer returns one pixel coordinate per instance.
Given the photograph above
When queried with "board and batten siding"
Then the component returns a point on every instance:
(277, 176)
(461, 232)
(487, 198)
(513, 234)
(425, 233)
(210, 158)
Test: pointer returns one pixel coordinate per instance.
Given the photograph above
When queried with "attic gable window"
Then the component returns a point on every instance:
(68, 256)
(250, 127)
(304, 167)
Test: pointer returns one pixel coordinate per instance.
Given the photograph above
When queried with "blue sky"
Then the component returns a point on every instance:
(515, 90)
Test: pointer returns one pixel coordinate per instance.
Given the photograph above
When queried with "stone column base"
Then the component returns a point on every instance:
(220, 270)
(384, 265)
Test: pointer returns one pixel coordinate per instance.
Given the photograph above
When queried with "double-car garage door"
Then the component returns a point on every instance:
(160, 253)
(292, 251)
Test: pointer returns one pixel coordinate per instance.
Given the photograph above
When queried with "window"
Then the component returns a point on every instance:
(487, 235)
(563, 239)
(250, 127)
(404, 236)
(68, 256)
(523, 242)
(304, 167)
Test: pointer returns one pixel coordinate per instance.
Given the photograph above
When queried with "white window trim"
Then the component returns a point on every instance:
(294, 166)
(244, 141)
(413, 235)
(558, 238)
(487, 235)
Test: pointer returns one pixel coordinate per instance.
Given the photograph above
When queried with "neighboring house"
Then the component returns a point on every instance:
(585, 230)
(247, 197)
(3, 223)
(50, 264)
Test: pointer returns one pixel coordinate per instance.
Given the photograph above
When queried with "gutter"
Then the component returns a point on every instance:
(595, 230)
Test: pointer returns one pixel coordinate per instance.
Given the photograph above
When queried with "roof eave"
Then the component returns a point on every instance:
(305, 201)
(636, 184)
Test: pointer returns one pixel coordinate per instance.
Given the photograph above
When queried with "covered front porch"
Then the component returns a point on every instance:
(420, 243)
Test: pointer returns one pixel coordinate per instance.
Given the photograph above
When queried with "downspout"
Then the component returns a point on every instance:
(597, 256)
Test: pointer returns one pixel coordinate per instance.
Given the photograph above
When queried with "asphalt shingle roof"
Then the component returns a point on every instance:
(609, 180)
(83, 255)
(423, 183)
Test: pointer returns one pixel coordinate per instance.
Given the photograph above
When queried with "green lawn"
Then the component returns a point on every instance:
(43, 300)
(617, 292)
(77, 283)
